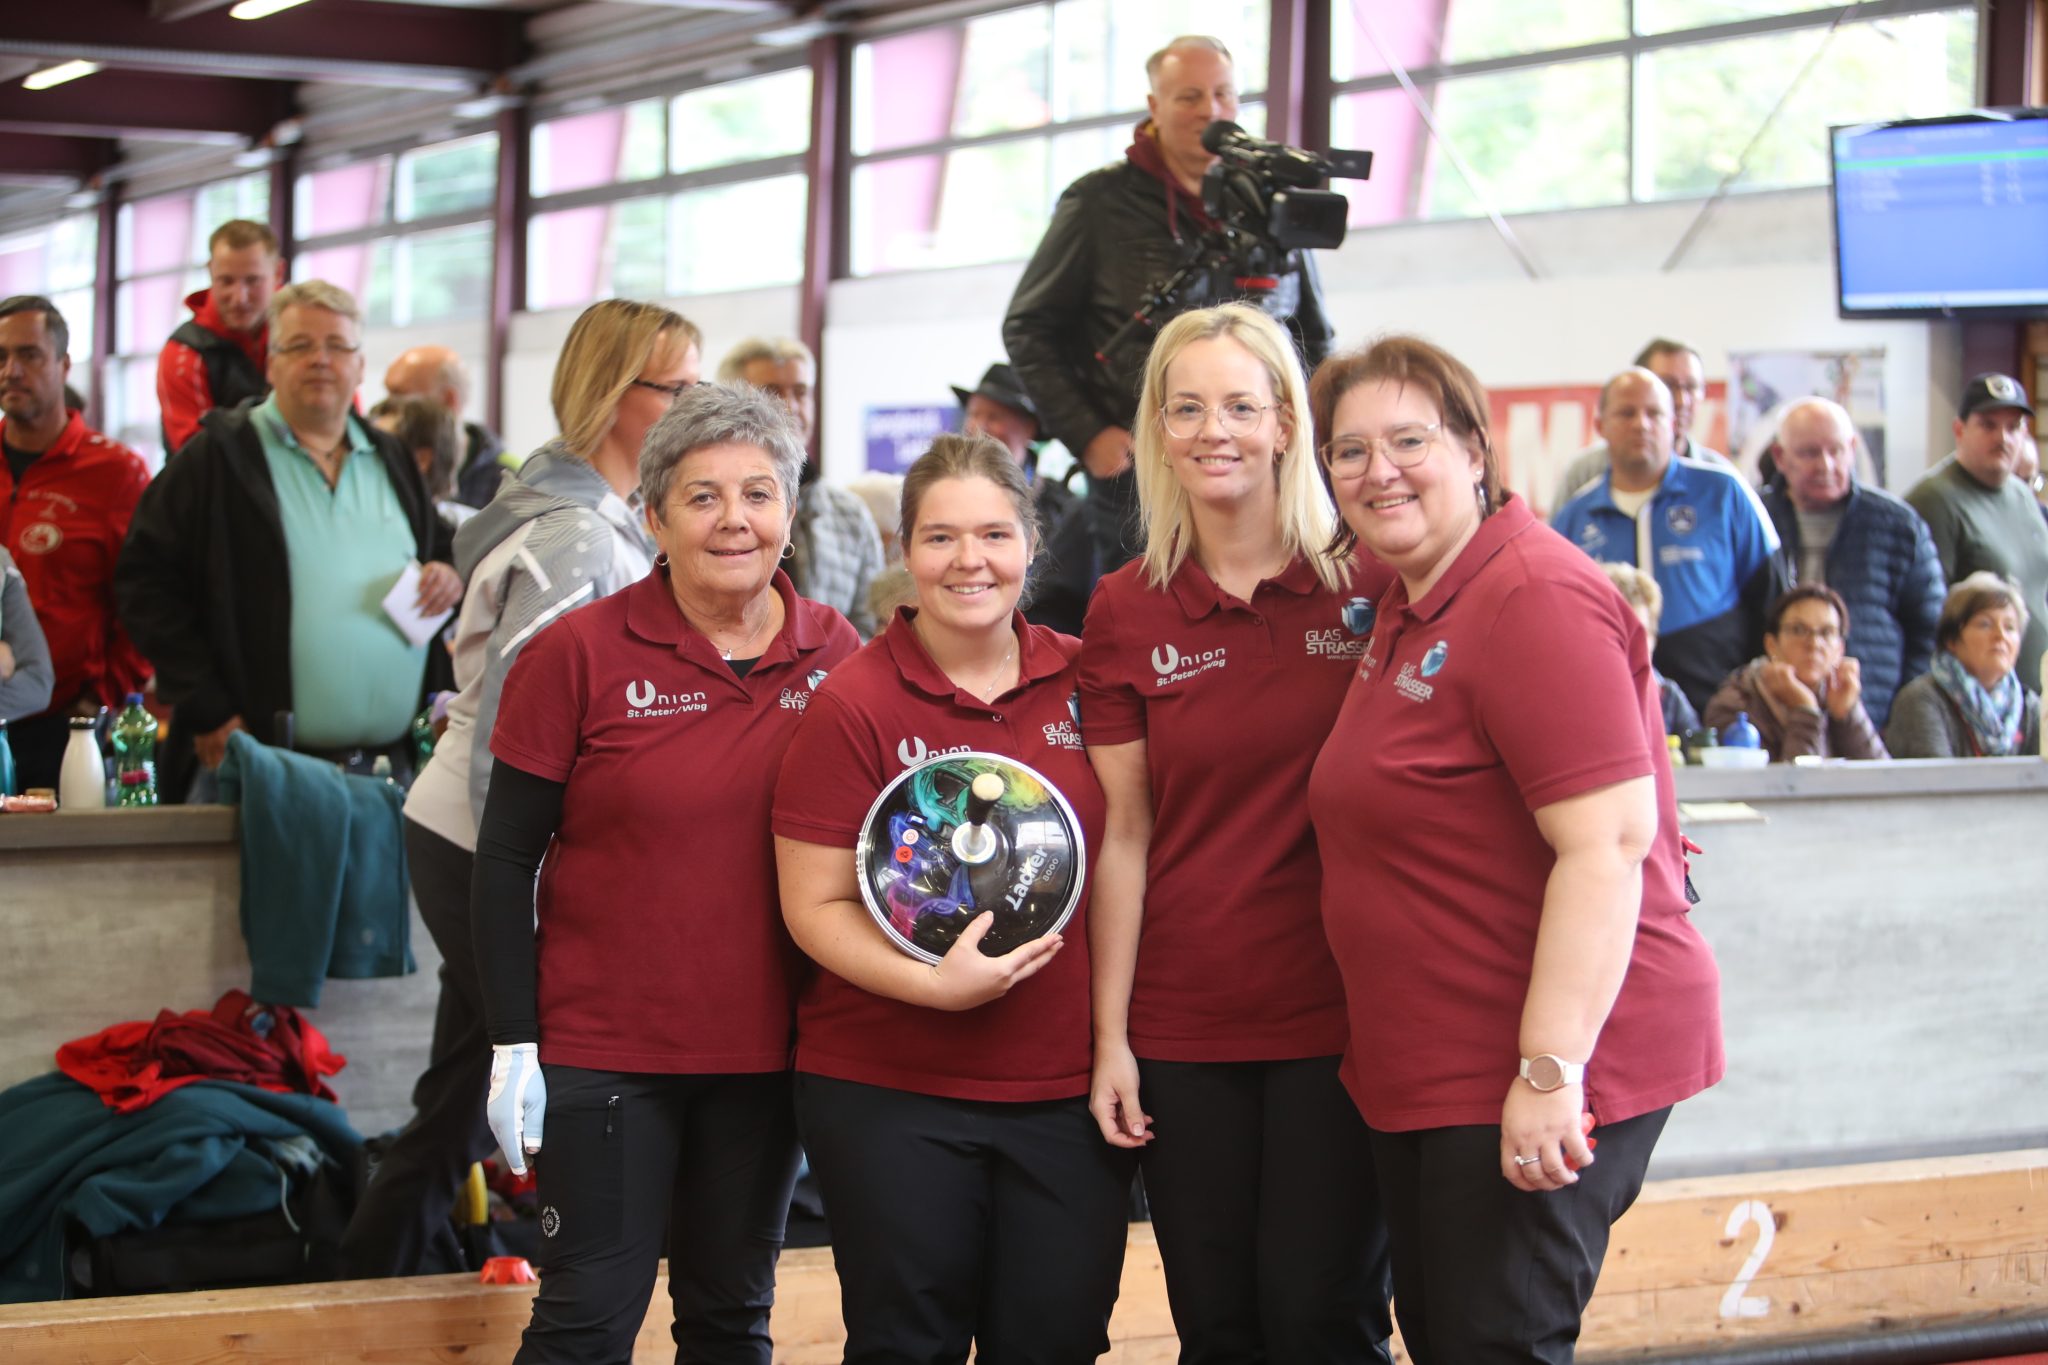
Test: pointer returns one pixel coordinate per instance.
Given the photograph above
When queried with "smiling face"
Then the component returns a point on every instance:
(1222, 386)
(242, 279)
(967, 554)
(1809, 637)
(1989, 644)
(1417, 519)
(724, 523)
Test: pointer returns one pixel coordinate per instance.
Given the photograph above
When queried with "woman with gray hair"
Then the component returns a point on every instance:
(1972, 703)
(639, 988)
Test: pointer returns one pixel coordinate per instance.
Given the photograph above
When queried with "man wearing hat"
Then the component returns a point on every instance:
(1063, 572)
(1981, 516)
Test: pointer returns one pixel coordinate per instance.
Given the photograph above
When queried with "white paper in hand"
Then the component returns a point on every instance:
(401, 604)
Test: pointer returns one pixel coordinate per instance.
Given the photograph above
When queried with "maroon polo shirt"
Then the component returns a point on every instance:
(660, 936)
(1233, 700)
(887, 709)
(1522, 678)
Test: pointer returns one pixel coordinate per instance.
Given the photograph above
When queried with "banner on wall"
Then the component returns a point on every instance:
(1765, 383)
(896, 435)
(1538, 431)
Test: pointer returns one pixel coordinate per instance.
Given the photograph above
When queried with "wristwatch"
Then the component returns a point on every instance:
(1547, 1071)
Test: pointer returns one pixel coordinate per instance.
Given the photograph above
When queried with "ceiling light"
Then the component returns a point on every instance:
(261, 9)
(58, 74)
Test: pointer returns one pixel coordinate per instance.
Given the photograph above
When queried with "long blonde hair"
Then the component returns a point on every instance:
(1307, 517)
(607, 348)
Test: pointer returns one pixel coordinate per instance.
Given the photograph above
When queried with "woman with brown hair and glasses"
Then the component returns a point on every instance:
(1503, 885)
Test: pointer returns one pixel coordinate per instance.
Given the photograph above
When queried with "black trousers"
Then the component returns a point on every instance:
(1260, 1177)
(1484, 1273)
(401, 1226)
(38, 743)
(959, 1223)
(633, 1166)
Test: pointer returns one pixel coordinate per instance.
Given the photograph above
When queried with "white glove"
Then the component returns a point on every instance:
(517, 1102)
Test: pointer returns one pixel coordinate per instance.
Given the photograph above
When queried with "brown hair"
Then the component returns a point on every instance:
(1806, 592)
(967, 457)
(237, 233)
(422, 423)
(1408, 360)
(1980, 591)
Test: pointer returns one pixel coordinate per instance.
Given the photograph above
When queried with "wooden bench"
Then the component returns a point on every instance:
(1697, 1263)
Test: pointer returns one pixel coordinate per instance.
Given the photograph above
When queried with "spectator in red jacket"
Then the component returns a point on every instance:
(66, 496)
(219, 358)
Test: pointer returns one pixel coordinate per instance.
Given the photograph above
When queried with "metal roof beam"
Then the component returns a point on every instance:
(144, 104)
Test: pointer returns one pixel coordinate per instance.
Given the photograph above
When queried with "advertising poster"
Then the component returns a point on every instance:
(897, 434)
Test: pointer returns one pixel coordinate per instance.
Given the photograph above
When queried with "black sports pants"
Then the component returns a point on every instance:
(1260, 1178)
(1484, 1273)
(959, 1223)
(401, 1227)
(634, 1166)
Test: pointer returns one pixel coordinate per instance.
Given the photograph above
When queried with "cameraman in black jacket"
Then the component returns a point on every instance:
(1116, 234)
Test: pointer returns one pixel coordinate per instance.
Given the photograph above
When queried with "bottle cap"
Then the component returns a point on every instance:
(84, 722)
(135, 699)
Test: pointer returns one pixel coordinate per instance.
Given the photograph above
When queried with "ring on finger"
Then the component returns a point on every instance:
(1528, 1160)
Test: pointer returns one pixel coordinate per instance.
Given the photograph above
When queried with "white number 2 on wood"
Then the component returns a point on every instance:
(1735, 1303)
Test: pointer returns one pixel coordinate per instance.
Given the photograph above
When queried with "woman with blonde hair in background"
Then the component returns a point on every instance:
(1212, 667)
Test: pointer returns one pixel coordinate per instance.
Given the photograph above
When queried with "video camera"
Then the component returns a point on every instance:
(1277, 194)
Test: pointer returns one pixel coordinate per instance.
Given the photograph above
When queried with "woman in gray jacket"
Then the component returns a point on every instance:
(1972, 703)
(567, 530)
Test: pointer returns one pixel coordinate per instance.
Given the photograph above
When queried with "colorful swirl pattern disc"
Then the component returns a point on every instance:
(923, 893)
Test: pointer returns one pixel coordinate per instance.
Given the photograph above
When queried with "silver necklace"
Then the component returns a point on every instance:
(984, 691)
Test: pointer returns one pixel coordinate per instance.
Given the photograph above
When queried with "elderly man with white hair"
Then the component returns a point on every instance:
(437, 372)
(1861, 541)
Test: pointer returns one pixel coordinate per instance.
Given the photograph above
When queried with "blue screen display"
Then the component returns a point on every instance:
(1942, 216)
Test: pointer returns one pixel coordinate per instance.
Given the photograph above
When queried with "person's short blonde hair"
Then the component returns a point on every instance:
(608, 347)
(1980, 591)
(314, 294)
(1307, 517)
(1637, 589)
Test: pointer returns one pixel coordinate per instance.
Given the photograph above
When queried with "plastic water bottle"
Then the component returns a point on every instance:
(6, 763)
(134, 737)
(82, 778)
(1740, 734)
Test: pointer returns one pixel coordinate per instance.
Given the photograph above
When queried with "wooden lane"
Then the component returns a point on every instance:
(1696, 1264)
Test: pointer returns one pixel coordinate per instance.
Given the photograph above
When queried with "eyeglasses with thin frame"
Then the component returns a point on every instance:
(334, 347)
(1348, 457)
(669, 391)
(1799, 630)
(1184, 418)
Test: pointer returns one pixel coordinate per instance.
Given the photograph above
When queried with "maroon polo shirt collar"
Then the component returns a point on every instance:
(1198, 594)
(1040, 657)
(1493, 535)
(652, 614)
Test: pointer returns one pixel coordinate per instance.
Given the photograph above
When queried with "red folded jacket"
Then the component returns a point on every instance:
(130, 1065)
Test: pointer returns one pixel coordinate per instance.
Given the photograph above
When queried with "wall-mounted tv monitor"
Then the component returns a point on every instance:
(1943, 217)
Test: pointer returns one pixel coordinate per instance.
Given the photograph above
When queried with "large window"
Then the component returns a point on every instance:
(57, 261)
(964, 134)
(160, 258)
(1559, 104)
(697, 193)
(409, 233)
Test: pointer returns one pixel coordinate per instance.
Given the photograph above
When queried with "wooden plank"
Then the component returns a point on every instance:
(1850, 1248)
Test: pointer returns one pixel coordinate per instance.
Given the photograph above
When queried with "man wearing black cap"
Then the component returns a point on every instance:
(1064, 571)
(1984, 518)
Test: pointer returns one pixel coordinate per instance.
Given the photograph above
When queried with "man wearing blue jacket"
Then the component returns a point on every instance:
(1861, 541)
(1692, 526)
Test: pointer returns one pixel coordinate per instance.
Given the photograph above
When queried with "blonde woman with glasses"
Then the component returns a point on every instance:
(1212, 667)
